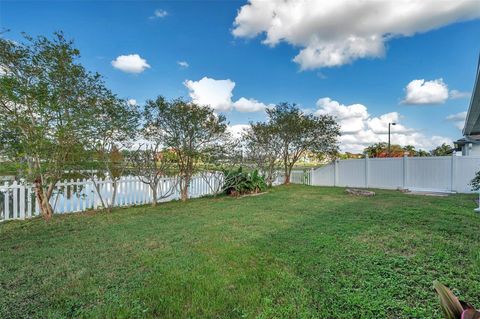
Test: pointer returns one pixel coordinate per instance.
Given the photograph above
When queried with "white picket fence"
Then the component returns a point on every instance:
(17, 200)
(442, 173)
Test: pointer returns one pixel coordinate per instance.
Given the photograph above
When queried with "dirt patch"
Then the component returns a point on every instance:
(249, 195)
(426, 193)
(359, 192)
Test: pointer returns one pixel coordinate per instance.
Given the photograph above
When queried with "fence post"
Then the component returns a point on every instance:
(6, 209)
(15, 199)
(311, 176)
(22, 199)
(367, 169)
(335, 173)
(453, 173)
(405, 170)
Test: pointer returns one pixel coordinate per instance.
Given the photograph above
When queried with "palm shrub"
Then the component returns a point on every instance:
(452, 307)
(238, 182)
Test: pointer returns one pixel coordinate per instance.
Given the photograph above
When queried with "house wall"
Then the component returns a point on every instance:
(471, 149)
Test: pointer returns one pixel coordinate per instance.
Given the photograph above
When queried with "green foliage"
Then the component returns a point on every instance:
(238, 182)
(53, 112)
(263, 148)
(188, 129)
(11, 168)
(381, 150)
(442, 150)
(300, 133)
(44, 96)
(475, 182)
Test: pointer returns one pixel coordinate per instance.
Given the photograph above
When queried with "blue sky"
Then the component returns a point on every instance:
(366, 86)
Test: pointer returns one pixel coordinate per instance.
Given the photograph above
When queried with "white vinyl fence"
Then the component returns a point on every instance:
(442, 173)
(296, 177)
(17, 200)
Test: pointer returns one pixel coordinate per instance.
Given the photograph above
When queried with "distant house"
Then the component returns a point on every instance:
(470, 143)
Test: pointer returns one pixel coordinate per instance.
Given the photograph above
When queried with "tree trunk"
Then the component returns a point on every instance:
(114, 195)
(287, 175)
(184, 188)
(286, 171)
(287, 179)
(99, 194)
(271, 175)
(154, 195)
(47, 209)
(43, 200)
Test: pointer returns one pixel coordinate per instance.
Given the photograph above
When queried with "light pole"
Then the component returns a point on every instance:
(389, 136)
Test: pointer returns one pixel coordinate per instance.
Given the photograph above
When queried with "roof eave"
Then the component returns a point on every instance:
(473, 113)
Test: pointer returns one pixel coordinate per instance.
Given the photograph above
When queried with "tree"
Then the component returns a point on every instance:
(422, 153)
(218, 160)
(381, 150)
(189, 130)
(263, 147)
(410, 149)
(442, 150)
(151, 164)
(110, 133)
(47, 102)
(299, 133)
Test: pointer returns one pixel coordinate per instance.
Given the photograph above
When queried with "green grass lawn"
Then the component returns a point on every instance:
(296, 252)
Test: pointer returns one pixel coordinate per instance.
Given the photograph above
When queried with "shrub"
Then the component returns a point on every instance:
(238, 182)
(475, 182)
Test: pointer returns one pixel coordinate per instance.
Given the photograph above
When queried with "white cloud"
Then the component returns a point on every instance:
(131, 63)
(237, 130)
(426, 92)
(351, 118)
(132, 102)
(183, 64)
(158, 14)
(215, 93)
(218, 95)
(249, 105)
(359, 129)
(456, 94)
(457, 119)
(333, 33)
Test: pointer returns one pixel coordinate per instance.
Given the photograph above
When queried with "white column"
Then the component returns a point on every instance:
(405, 171)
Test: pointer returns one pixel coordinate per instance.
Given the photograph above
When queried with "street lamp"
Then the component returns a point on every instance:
(389, 137)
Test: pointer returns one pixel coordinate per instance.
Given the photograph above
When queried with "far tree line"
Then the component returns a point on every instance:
(381, 150)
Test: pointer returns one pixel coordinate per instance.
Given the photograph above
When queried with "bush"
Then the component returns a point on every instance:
(238, 182)
(475, 182)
